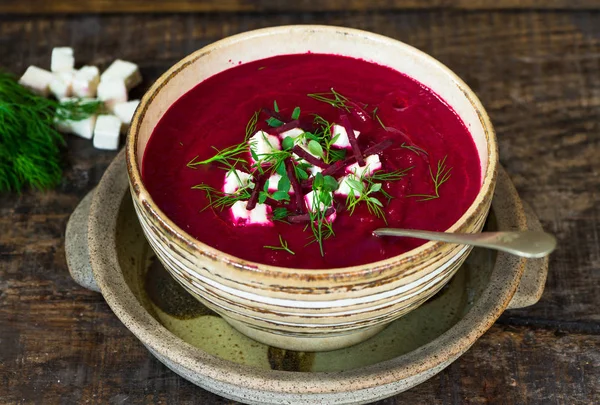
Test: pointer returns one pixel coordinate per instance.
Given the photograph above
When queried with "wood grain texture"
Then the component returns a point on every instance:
(236, 6)
(537, 73)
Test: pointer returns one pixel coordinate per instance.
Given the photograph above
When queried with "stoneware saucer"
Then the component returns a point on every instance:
(200, 346)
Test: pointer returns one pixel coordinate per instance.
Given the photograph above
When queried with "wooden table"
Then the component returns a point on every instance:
(536, 67)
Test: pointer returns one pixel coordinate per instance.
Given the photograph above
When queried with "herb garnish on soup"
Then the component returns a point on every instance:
(294, 160)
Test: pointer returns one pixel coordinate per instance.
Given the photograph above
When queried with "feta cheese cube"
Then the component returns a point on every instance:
(126, 110)
(308, 199)
(235, 180)
(273, 183)
(294, 133)
(61, 84)
(257, 216)
(83, 128)
(85, 81)
(62, 59)
(314, 170)
(262, 143)
(37, 80)
(127, 72)
(342, 141)
(112, 92)
(372, 164)
(344, 187)
(106, 132)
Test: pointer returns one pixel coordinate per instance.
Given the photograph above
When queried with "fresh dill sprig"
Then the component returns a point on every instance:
(223, 156)
(414, 149)
(322, 199)
(441, 176)
(283, 246)
(333, 98)
(396, 175)
(280, 214)
(219, 199)
(376, 117)
(29, 142)
(251, 125)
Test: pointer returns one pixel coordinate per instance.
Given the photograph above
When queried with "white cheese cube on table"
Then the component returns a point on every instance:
(85, 81)
(344, 187)
(61, 84)
(126, 110)
(234, 181)
(294, 133)
(107, 132)
(62, 60)
(342, 141)
(257, 216)
(372, 164)
(273, 183)
(83, 128)
(127, 72)
(262, 144)
(37, 80)
(112, 92)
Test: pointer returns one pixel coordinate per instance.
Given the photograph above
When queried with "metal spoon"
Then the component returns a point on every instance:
(531, 244)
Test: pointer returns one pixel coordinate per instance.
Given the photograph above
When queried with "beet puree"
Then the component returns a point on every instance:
(216, 111)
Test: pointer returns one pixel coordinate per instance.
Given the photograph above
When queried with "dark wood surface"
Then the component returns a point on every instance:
(236, 6)
(537, 73)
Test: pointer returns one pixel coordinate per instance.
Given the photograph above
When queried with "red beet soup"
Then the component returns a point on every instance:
(294, 160)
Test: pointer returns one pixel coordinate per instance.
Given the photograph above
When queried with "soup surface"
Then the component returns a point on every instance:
(421, 169)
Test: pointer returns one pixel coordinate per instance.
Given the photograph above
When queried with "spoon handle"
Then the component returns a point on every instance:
(531, 244)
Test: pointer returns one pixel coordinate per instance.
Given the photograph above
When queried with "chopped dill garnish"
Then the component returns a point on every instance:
(222, 156)
(219, 199)
(333, 98)
(251, 125)
(280, 214)
(231, 152)
(396, 175)
(414, 149)
(29, 142)
(275, 106)
(376, 117)
(441, 176)
(283, 246)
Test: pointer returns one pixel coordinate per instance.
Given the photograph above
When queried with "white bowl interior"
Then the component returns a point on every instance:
(262, 44)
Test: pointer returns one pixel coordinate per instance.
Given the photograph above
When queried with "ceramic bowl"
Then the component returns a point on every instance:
(296, 308)
(106, 251)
